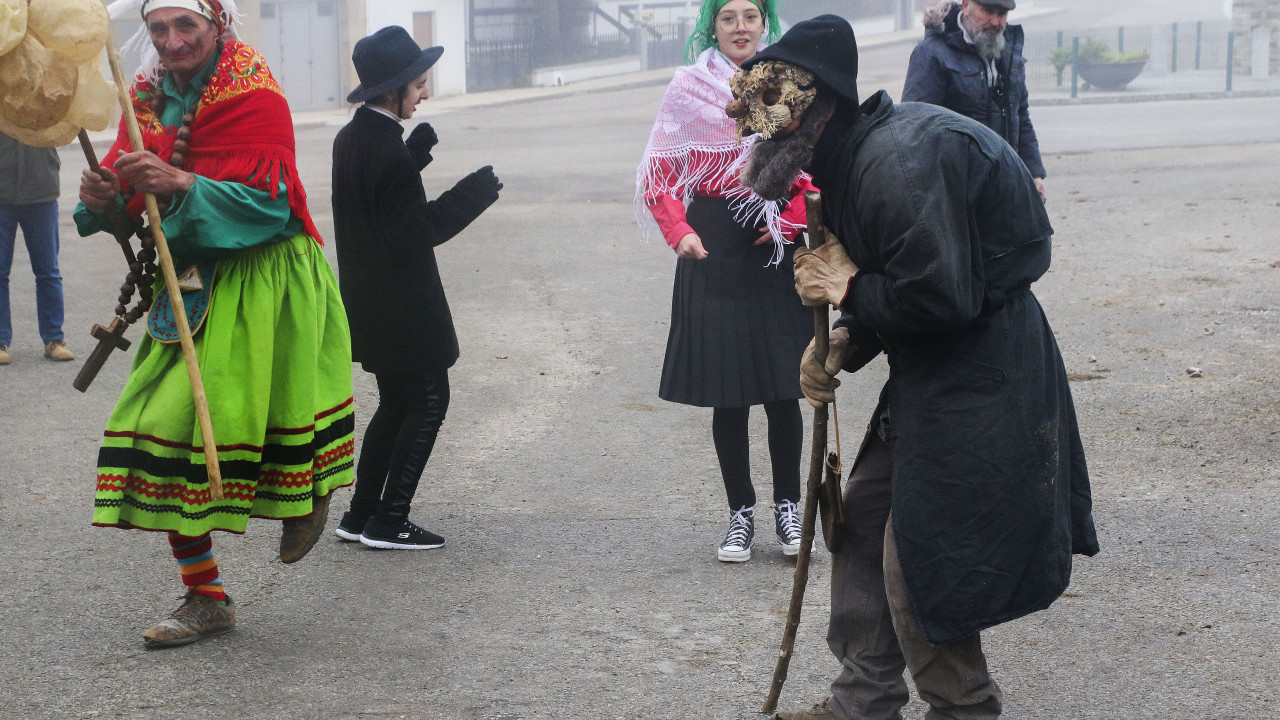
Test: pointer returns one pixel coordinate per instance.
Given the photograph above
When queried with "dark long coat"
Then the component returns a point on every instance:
(990, 489)
(945, 70)
(386, 231)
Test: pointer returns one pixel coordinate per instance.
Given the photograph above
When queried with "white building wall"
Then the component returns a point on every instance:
(450, 27)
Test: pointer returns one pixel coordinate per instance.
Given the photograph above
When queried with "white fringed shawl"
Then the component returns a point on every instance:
(693, 143)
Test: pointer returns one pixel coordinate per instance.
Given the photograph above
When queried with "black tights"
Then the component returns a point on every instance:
(786, 439)
(398, 443)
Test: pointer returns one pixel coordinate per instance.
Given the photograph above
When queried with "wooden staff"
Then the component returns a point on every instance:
(171, 283)
(817, 233)
(116, 219)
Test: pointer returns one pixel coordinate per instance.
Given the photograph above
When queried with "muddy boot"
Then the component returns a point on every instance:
(300, 534)
(198, 617)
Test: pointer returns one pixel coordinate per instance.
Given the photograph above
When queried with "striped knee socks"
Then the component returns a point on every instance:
(199, 569)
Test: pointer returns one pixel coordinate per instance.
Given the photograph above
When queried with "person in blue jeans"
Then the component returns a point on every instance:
(29, 200)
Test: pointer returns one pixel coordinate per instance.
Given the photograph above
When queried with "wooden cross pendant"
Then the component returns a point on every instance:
(109, 338)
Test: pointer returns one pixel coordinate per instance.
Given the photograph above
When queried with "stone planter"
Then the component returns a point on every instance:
(1110, 75)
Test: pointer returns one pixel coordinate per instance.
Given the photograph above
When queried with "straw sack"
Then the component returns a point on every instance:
(95, 102)
(75, 29)
(36, 85)
(13, 23)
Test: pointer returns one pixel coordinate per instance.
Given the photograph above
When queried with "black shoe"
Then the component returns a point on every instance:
(401, 535)
(350, 527)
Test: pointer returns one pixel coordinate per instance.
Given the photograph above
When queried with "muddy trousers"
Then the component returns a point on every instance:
(873, 631)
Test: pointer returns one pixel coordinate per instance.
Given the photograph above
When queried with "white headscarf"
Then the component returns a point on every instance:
(200, 7)
(141, 40)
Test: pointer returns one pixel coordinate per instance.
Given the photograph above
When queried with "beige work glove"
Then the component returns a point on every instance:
(818, 379)
(822, 275)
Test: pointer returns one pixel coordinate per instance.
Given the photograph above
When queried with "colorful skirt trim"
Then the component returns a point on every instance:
(275, 357)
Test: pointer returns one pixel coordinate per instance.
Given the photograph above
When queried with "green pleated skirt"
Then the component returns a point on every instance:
(275, 356)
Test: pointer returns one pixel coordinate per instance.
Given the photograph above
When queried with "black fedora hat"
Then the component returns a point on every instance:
(387, 60)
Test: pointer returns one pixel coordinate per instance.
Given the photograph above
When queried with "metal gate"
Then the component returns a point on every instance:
(300, 43)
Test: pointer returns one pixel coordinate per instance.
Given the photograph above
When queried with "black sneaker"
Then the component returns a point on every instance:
(403, 535)
(786, 523)
(350, 527)
(736, 546)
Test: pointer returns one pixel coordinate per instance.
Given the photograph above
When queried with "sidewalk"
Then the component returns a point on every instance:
(436, 106)
(1146, 89)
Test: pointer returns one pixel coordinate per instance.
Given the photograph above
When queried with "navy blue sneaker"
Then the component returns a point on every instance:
(786, 521)
(737, 542)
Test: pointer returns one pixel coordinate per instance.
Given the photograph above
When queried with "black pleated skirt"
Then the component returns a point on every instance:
(738, 328)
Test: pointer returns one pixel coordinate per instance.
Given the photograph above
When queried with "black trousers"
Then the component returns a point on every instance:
(398, 443)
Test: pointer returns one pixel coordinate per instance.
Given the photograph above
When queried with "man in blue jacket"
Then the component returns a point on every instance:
(971, 62)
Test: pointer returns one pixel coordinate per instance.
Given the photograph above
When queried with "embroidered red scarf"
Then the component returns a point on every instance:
(242, 132)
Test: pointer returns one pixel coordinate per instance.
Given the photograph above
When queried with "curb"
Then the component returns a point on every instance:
(1154, 97)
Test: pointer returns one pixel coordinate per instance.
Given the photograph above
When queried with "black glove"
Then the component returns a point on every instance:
(420, 142)
(481, 185)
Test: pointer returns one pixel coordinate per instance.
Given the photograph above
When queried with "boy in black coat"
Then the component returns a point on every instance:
(401, 330)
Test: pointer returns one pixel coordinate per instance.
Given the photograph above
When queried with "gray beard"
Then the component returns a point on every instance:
(775, 164)
(989, 46)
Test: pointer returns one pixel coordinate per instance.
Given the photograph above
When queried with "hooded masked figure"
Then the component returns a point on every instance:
(970, 493)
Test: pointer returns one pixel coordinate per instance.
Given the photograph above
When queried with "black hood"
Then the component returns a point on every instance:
(824, 46)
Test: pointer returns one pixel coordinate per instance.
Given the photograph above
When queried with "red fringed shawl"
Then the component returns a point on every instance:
(243, 131)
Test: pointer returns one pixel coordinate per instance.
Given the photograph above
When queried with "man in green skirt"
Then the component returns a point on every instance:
(269, 328)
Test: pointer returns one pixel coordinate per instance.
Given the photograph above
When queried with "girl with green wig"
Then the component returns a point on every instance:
(704, 34)
(738, 328)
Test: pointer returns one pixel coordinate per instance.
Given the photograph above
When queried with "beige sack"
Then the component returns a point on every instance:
(13, 23)
(75, 29)
(96, 101)
(36, 86)
(56, 136)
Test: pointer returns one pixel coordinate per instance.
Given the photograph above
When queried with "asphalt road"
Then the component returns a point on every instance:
(582, 513)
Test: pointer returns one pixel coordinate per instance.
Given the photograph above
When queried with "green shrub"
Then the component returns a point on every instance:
(1092, 51)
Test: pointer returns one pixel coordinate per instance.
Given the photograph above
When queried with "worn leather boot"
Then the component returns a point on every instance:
(301, 534)
(821, 711)
(196, 618)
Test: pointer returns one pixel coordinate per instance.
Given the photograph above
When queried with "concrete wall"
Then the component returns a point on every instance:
(351, 27)
(1251, 19)
(450, 28)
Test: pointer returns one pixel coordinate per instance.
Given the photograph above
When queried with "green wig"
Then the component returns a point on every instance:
(704, 33)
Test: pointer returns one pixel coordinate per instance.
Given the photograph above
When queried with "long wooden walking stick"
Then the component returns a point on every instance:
(818, 460)
(212, 468)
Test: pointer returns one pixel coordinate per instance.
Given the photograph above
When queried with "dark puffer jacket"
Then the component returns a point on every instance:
(945, 70)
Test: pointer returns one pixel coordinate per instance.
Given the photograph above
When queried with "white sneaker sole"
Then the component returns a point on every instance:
(789, 550)
(733, 556)
(388, 545)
